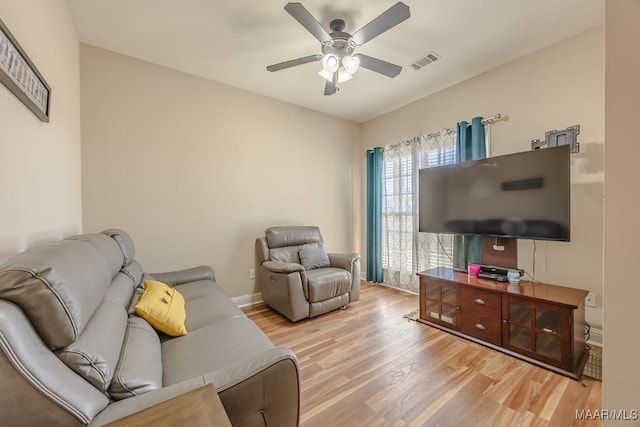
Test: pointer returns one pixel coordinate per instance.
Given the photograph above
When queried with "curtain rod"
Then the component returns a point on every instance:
(448, 131)
(492, 119)
(487, 121)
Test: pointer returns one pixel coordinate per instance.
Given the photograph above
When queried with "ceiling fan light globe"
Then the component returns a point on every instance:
(327, 75)
(330, 63)
(351, 64)
(343, 75)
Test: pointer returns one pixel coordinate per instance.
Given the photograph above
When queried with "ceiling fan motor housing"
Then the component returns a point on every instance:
(340, 43)
(337, 25)
(340, 47)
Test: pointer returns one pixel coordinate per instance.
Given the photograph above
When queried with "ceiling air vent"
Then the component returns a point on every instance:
(425, 60)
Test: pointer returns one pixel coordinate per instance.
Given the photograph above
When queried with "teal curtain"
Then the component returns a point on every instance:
(374, 215)
(470, 145)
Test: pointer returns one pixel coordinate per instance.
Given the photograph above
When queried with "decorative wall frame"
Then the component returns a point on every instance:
(21, 77)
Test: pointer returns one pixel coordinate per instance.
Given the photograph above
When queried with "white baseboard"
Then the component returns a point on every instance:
(249, 299)
(595, 337)
(394, 287)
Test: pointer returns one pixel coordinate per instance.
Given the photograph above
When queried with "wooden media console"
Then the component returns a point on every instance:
(541, 323)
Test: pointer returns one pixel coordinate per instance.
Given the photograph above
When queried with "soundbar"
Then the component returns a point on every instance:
(492, 276)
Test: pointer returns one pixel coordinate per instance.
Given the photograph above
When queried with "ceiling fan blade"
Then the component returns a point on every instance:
(378, 65)
(331, 87)
(294, 62)
(302, 15)
(386, 20)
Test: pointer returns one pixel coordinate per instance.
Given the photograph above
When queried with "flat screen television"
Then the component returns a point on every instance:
(523, 195)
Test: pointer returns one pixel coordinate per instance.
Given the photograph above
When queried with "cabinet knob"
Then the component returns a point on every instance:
(505, 321)
(480, 327)
(458, 307)
(479, 301)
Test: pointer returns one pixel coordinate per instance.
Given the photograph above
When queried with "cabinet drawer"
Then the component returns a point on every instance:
(481, 303)
(483, 328)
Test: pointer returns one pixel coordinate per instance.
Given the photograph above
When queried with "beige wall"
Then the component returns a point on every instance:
(557, 87)
(196, 170)
(622, 207)
(40, 162)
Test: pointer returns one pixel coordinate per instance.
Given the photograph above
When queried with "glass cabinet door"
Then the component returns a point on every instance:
(520, 330)
(548, 333)
(536, 329)
(440, 302)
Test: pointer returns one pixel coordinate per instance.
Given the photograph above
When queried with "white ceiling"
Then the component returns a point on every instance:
(233, 41)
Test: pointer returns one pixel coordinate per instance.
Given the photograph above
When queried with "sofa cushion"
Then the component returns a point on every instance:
(313, 255)
(278, 237)
(163, 307)
(134, 271)
(285, 254)
(59, 286)
(124, 241)
(95, 353)
(206, 304)
(325, 283)
(210, 348)
(139, 369)
(107, 247)
(135, 298)
(120, 291)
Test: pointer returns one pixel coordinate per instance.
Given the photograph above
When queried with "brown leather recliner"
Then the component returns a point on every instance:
(298, 278)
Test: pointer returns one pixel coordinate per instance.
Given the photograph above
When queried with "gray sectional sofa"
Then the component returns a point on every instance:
(73, 352)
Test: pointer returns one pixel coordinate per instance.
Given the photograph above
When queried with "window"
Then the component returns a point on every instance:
(404, 250)
(397, 211)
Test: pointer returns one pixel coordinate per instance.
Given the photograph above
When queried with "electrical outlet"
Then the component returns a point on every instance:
(590, 300)
(252, 273)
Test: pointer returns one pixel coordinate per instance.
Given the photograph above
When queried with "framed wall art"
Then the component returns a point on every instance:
(21, 77)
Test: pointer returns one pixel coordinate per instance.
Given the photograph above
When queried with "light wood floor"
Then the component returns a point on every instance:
(369, 366)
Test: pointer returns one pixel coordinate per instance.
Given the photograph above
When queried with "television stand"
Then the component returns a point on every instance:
(537, 322)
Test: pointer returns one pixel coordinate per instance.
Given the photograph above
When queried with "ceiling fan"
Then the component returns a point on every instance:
(339, 62)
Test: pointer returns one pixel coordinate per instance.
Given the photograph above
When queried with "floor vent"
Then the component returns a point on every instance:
(425, 60)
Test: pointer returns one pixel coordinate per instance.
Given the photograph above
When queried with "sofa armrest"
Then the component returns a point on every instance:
(179, 277)
(36, 387)
(351, 263)
(282, 267)
(266, 383)
(131, 405)
(286, 292)
(241, 370)
(344, 261)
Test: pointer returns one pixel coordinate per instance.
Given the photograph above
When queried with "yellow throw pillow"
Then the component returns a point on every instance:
(163, 307)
